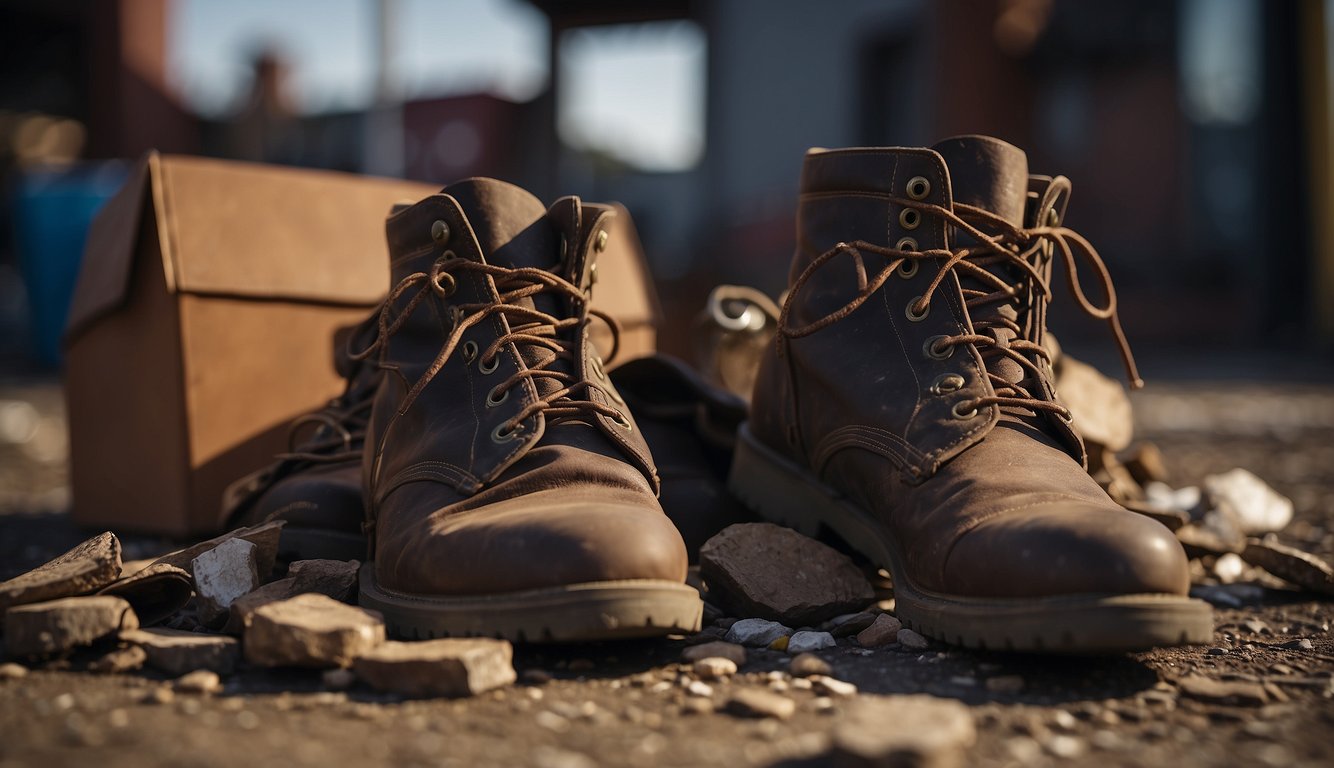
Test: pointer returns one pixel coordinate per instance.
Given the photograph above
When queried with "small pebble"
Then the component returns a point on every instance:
(755, 702)
(832, 687)
(11, 671)
(159, 695)
(912, 640)
(806, 641)
(338, 679)
(717, 649)
(807, 664)
(882, 631)
(535, 677)
(757, 633)
(1303, 644)
(714, 668)
(199, 681)
(697, 688)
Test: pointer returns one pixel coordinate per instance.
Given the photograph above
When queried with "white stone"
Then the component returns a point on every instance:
(1229, 567)
(223, 574)
(757, 633)
(702, 690)
(1256, 507)
(714, 667)
(199, 681)
(1163, 495)
(830, 686)
(807, 641)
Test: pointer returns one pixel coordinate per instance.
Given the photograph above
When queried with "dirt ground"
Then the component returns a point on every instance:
(621, 704)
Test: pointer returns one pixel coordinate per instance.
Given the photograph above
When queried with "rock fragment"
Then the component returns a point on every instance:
(808, 664)
(86, 568)
(903, 731)
(1223, 691)
(767, 571)
(57, 626)
(714, 668)
(156, 592)
(244, 606)
(223, 574)
(883, 631)
(311, 631)
(807, 641)
(264, 537)
(717, 649)
(12, 671)
(1292, 565)
(1098, 403)
(119, 661)
(201, 681)
(757, 633)
(757, 702)
(912, 640)
(830, 686)
(176, 653)
(334, 578)
(850, 623)
(446, 667)
(1145, 463)
(1255, 506)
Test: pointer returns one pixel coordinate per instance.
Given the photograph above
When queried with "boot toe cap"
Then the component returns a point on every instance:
(1066, 549)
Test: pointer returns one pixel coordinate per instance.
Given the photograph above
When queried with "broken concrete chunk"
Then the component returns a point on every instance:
(86, 568)
(334, 578)
(767, 571)
(223, 574)
(446, 667)
(884, 631)
(244, 606)
(1098, 403)
(61, 625)
(902, 731)
(1255, 506)
(156, 592)
(1292, 565)
(264, 537)
(176, 652)
(311, 631)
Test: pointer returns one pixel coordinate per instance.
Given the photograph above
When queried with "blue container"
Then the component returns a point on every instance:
(52, 212)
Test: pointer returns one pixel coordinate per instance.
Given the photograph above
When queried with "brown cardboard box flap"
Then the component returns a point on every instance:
(244, 230)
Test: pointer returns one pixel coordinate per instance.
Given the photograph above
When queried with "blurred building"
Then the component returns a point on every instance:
(1196, 132)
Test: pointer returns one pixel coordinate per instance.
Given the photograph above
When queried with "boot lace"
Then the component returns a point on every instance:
(528, 327)
(1018, 251)
(339, 435)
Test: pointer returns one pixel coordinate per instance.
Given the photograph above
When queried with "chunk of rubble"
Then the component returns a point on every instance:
(806, 641)
(119, 661)
(200, 681)
(57, 626)
(1254, 506)
(264, 537)
(808, 664)
(912, 640)
(902, 730)
(770, 572)
(452, 667)
(244, 606)
(1292, 565)
(176, 652)
(334, 578)
(756, 633)
(1223, 691)
(223, 574)
(757, 702)
(1099, 404)
(714, 668)
(883, 631)
(87, 568)
(311, 631)
(156, 592)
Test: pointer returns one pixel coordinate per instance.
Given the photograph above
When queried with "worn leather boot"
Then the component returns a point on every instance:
(509, 490)
(906, 405)
(315, 487)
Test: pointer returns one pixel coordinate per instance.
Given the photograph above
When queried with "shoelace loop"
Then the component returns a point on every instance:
(528, 326)
(1011, 246)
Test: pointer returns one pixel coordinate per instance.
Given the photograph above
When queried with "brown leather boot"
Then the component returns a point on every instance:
(316, 486)
(907, 405)
(510, 491)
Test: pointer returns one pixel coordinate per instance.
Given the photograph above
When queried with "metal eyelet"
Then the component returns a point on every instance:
(912, 314)
(492, 401)
(906, 244)
(600, 243)
(1066, 416)
(623, 422)
(909, 218)
(934, 349)
(918, 187)
(945, 383)
(448, 289)
(907, 269)
(500, 435)
(439, 231)
(484, 368)
(469, 351)
(962, 414)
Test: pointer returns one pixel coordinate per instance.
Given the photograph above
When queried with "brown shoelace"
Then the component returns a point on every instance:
(528, 326)
(339, 436)
(1010, 246)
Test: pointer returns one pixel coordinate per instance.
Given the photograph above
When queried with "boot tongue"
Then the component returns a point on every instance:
(510, 223)
(992, 175)
(987, 173)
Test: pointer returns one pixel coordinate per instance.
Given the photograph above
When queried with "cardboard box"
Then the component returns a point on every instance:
(202, 325)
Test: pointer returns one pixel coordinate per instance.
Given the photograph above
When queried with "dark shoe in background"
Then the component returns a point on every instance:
(509, 489)
(315, 488)
(908, 406)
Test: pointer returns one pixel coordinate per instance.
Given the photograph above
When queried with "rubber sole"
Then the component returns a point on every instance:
(787, 494)
(609, 610)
